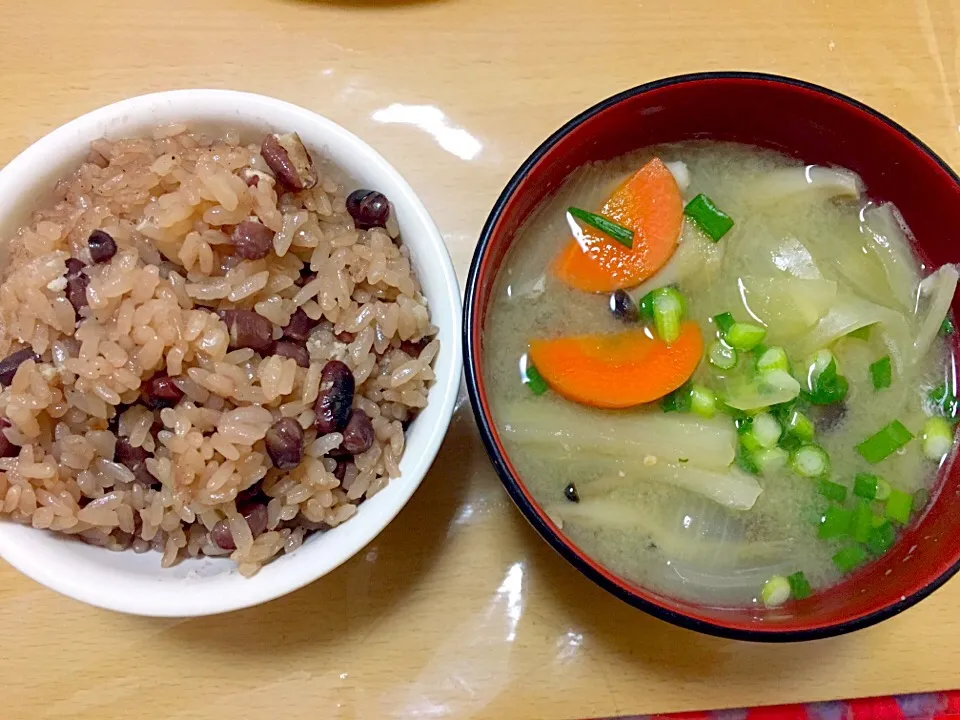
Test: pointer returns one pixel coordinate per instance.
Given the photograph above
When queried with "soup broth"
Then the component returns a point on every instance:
(726, 499)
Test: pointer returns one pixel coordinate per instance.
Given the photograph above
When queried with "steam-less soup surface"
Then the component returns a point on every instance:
(726, 414)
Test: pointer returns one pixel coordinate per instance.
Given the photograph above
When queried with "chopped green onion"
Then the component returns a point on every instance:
(766, 430)
(800, 426)
(946, 327)
(861, 333)
(744, 336)
(703, 401)
(884, 442)
(899, 505)
(770, 460)
(883, 489)
(678, 401)
(534, 380)
(775, 591)
(862, 522)
(799, 586)
(774, 358)
(711, 219)
(881, 538)
(745, 460)
(820, 362)
(810, 461)
(944, 400)
(722, 355)
(834, 523)
(833, 491)
(645, 307)
(622, 235)
(848, 558)
(668, 306)
(881, 373)
(937, 438)
(865, 486)
(724, 321)
(826, 385)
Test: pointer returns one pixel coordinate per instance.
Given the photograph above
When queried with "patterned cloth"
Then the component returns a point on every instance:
(924, 706)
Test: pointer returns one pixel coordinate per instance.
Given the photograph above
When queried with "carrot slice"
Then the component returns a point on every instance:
(618, 370)
(648, 203)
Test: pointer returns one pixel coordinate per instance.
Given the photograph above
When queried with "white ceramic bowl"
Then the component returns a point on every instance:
(136, 584)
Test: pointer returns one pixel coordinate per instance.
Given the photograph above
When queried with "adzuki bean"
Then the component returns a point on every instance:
(289, 160)
(358, 435)
(160, 392)
(102, 246)
(335, 399)
(290, 349)
(9, 365)
(248, 330)
(284, 443)
(256, 516)
(299, 327)
(252, 240)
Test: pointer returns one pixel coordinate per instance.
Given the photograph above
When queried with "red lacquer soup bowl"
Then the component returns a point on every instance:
(815, 125)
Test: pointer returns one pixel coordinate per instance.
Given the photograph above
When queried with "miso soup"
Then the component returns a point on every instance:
(724, 374)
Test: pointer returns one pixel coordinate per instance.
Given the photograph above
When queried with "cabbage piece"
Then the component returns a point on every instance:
(694, 255)
(882, 229)
(610, 513)
(850, 313)
(824, 182)
(730, 488)
(635, 435)
(770, 388)
(787, 305)
(940, 287)
(792, 256)
(680, 172)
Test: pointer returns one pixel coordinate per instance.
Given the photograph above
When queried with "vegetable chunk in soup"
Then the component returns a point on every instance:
(724, 374)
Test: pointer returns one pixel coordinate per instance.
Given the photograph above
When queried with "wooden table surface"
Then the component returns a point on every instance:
(458, 609)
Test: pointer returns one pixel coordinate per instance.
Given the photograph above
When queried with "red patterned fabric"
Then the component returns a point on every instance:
(925, 706)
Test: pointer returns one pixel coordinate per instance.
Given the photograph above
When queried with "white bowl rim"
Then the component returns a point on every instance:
(162, 594)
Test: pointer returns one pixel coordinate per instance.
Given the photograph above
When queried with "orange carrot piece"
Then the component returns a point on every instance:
(648, 203)
(617, 370)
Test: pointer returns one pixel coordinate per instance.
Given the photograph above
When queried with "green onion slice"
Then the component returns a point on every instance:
(944, 400)
(711, 219)
(946, 327)
(881, 538)
(534, 380)
(668, 309)
(899, 505)
(703, 401)
(744, 336)
(622, 235)
(724, 321)
(722, 355)
(834, 523)
(849, 558)
(826, 385)
(810, 461)
(937, 438)
(833, 491)
(775, 591)
(881, 373)
(799, 586)
(680, 400)
(884, 442)
(865, 486)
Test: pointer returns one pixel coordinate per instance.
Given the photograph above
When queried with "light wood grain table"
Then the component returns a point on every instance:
(458, 609)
